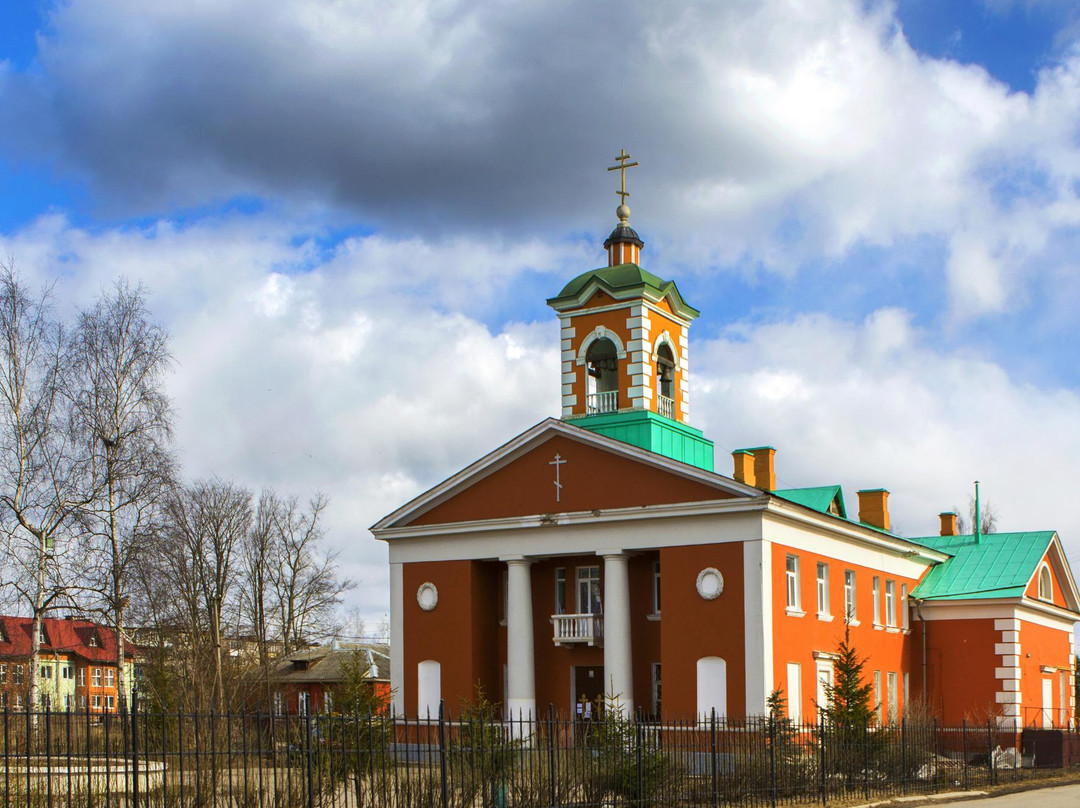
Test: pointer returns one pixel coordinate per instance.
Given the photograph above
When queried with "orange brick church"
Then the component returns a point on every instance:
(600, 554)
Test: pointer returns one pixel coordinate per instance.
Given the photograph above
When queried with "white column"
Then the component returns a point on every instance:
(521, 665)
(757, 613)
(618, 665)
(397, 638)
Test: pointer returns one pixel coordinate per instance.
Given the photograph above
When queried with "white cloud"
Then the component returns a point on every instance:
(775, 131)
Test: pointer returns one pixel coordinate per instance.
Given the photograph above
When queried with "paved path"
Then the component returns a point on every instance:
(1056, 797)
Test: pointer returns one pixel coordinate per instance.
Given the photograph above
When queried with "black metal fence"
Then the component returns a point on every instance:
(153, 758)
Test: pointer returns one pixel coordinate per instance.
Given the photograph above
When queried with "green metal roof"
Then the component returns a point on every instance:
(999, 566)
(621, 281)
(647, 430)
(820, 498)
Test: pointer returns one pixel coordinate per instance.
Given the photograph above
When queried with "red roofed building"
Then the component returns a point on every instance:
(77, 667)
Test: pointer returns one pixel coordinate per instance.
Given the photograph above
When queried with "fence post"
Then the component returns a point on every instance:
(866, 757)
(990, 752)
(713, 760)
(963, 748)
(551, 754)
(134, 715)
(442, 754)
(821, 755)
(903, 755)
(772, 761)
(310, 759)
(640, 761)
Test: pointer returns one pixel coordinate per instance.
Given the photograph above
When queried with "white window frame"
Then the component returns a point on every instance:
(877, 601)
(850, 610)
(1046, 592)
(3, 674)
(794, 691)
(791, 573)
(879, 705)
(905, 617)
(656, 588)
(825, 670)
(823, 608)
(110, 677)
(95, 677)
(588, 577)
(890, 604)
(81, 677)
(892, 694)
(560, 590)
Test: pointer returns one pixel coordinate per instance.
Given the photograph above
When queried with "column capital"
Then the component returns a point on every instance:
(611, 552)
(516, 559)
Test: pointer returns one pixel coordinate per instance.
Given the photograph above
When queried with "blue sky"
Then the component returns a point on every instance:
(350, 214)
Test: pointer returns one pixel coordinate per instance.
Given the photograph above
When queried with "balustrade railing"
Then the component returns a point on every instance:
(666, 406)
(597, 403)
(578, 628)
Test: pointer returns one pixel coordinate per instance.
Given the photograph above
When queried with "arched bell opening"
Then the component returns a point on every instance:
(602, 365)
(665, 381)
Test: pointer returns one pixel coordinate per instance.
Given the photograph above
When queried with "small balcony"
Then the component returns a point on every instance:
(666, 406)
(571, 629)
(598, 403)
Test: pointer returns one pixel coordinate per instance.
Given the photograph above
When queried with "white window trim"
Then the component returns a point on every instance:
(890, 603)
(824, 596)
(1049, 597)
(877, 601)
(793, 586)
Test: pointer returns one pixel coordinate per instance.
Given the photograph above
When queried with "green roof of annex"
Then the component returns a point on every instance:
(998, 565)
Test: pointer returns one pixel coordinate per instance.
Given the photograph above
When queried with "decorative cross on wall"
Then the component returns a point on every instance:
(557, 462)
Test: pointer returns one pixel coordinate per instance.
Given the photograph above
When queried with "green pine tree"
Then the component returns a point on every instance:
(849, 701)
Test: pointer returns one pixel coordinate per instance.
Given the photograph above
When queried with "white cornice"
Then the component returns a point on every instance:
(1024, 608)
(576, 518)
(622, 302)
(834, 525)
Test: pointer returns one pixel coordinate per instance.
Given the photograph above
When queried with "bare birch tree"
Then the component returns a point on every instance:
(123, 417)
(208, 522)
(40, 467)
(306, 590)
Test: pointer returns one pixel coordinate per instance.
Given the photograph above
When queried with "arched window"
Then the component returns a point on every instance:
(1046, 584)
(711, 687)
(602, 364)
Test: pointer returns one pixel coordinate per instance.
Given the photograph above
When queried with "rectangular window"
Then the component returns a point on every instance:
(822, 588)
(656, 690)
(328, 702)
(110, 702)
(907, 690)
(46, 672)
(560, 591)
(849, 595)
(3, 674)
(890, 604)
(95, 678)
(794, 691)
(825, 680)
(67, 703)
(793, 582)
(588, 590)
(18, 702)
(877, 601)
(894, 708)
(877, 695)
(303, 703)
(19, 672)
(110, 675)
(95, 702)
(82, 677)
(43, 636)
(82, 702)
(656, 588)
(904, 617)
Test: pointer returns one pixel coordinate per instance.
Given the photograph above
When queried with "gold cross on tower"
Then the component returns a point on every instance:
(623, 211)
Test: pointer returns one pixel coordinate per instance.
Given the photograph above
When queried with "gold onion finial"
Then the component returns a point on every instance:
(623, 211)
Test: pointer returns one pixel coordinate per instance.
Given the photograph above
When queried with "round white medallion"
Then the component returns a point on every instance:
(427, 596)
(710, 583)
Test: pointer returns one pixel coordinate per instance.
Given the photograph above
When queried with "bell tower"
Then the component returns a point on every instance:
(625, 348)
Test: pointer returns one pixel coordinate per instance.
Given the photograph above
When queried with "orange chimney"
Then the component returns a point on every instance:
(874, 507)
(764, 473)
(744, 466)
(948, 523)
